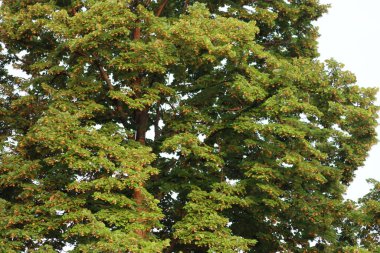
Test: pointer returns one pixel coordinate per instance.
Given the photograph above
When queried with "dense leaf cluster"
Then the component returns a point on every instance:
(178, 126)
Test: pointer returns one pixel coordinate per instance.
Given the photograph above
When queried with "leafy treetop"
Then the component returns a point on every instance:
(251, 140)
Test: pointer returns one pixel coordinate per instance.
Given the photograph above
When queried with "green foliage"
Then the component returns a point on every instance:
(204, 227)
(359, 228)
(369, 218)
(254, 139)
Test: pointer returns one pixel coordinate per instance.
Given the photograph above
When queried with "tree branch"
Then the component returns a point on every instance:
(147, 3)
(157, 129)
(119, 107)
(161, 7)
(105, 76)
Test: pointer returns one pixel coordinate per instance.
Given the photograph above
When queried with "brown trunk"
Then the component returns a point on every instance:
(137, 32)
(142, 125)
(141, 120)
(139, 199)
(170, 249)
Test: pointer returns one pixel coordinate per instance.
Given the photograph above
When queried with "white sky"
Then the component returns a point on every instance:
(350, 33)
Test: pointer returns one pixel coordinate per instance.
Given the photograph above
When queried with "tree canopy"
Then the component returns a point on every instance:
(177, 126)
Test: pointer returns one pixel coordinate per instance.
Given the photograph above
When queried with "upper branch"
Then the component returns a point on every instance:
(161, 7)
(105, 76)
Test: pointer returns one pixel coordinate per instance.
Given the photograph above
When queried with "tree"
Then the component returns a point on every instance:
(359, 228)
(168, 126)
(370, 218)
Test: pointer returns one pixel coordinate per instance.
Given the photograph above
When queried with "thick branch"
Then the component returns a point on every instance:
(157, 130)
(161, 7)
(147, 3)
(119, 107)
(238, 108)
(105, 76)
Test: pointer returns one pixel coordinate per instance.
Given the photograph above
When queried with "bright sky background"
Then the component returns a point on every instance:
(350, 33)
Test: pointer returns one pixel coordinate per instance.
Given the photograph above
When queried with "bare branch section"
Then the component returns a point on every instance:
(147, 3)
(119, 107)
(161, 8)
(105, 76)
(157, 129)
